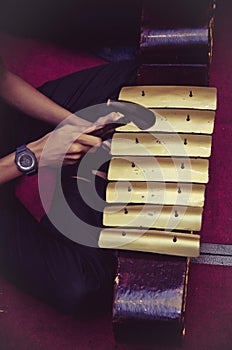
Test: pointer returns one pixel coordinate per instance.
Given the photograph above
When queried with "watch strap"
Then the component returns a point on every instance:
(24, 148)
(21, 148)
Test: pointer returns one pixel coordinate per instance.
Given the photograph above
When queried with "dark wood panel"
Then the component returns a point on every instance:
(149, 297)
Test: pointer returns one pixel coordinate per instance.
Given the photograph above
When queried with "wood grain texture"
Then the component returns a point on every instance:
(149, 297)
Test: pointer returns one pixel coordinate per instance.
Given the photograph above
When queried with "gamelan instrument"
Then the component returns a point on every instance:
(158, 176)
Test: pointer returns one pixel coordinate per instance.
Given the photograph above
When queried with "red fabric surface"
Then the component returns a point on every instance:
(27, 324)
(38, 62)
(218, 209)
(27, 191)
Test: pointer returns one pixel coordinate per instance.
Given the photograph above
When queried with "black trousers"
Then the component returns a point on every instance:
(35, 256)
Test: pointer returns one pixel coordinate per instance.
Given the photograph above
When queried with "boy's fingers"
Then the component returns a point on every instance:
(89, 140)
(109, 118)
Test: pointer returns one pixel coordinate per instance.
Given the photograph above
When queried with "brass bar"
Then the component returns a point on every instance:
(194, 97)
(153, 241)
(156, 144)
(178, 120)
(158, 169)
(154, 216)
(156, 193)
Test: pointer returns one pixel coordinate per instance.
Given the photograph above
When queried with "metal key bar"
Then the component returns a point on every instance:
(158, 169)
(178, 120)
(153, 216)
(156, 193)
(156, 144)
(153, 241)
(171, 96)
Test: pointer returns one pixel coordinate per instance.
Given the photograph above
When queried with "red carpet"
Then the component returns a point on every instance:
(38, 62)
(25, 323)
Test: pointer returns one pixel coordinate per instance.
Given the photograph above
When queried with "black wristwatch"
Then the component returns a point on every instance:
(25, 160)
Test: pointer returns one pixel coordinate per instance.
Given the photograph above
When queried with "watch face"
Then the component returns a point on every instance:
(26, 161)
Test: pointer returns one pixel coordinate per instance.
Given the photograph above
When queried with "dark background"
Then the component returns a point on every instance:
(98, 21)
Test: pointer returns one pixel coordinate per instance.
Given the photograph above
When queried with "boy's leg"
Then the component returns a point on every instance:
(37, 258)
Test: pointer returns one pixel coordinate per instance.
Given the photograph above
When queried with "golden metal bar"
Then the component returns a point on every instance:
(152, 144)
(178, 120)
(156, 193)
(171, 96)
(154, 216)
(159, 174)
(158, 169)
(154, 241)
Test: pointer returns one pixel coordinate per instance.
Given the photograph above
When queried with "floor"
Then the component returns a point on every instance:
(25, 323)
